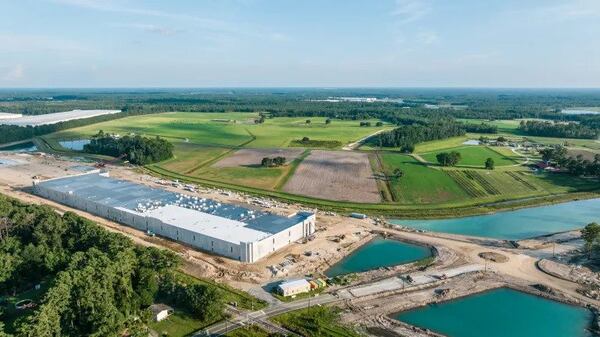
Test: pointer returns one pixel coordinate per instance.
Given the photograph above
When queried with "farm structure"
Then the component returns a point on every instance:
(54, 118)
(224, 229)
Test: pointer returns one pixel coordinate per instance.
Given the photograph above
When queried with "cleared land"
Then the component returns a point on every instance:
(335, 175)
(253, 157)
(586, 154)
(473, 156)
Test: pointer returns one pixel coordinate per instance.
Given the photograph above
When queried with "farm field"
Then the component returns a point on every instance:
(420, 184)
(226, 148)
(335, 175)
(473, 156)
(586, 154)
(228, 129)
(253, 157)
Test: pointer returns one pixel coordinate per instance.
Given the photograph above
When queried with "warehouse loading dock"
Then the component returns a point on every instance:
(224, 229)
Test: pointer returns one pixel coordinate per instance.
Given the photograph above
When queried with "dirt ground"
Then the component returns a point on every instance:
(335, 175)
(336, 235)
(253, 157)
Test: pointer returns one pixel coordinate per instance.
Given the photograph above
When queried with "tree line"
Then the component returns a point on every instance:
(559, 130)
(137, 149)
(574, 165)
(101, 283)
(406, 136)
(481, 128)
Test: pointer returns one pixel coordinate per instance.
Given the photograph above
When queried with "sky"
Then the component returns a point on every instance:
(302, 43)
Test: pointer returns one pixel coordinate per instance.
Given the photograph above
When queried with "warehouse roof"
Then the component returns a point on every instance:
(197, 214)
(207, 224)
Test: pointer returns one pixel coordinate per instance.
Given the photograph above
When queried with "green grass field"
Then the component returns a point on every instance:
(315, 322)
(228, 129)
(420, 184)
(179, 324)
(472, 156)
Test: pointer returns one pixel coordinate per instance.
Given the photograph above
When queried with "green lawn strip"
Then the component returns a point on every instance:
(293, 166)
(223, 155)
(383, 180)
(179, 324)
(315, 322)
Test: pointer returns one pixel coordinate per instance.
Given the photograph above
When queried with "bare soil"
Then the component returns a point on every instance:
(253, 157)
(335, 175)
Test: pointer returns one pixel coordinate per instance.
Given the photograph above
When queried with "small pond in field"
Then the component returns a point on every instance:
(378, 253)
(75, 145)
(501, 313)
(516, 225)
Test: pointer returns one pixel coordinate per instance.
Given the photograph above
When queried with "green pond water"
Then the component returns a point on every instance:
(519, 224)
(22, 147)
(501, 313)
(378, 253)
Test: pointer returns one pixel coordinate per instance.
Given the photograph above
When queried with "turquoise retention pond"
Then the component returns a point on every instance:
(378, 253)
(516, 225)
(501, 313)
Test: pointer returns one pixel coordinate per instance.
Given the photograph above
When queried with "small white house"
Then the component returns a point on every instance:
(160, 311)
(291, 288)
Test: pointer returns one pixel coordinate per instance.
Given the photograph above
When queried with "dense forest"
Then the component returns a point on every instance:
(481, 128)
(100, 283)
(406, 136)
(559, 130)
(136, 149)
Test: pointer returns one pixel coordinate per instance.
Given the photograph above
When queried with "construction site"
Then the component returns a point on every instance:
(460, 266)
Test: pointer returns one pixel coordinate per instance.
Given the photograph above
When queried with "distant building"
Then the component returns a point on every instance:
(291, 288)
(160, 311)
(358, 215)
(225, 229)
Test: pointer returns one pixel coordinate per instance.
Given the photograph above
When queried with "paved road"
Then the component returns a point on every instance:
(230, 325)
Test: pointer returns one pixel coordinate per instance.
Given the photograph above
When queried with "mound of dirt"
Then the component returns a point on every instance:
(494, 257)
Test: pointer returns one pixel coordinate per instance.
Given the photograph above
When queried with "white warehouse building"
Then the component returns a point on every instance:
(224, 229)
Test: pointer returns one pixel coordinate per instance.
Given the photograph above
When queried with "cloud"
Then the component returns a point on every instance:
(15, 73)
(153, 29)
(115, 7)
(411, 10)
(572, 10)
